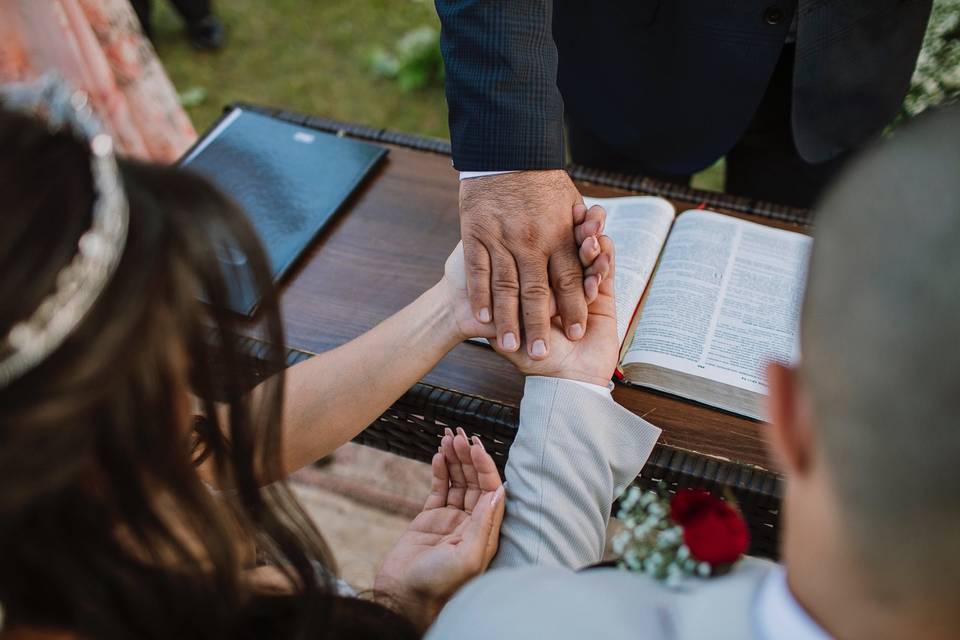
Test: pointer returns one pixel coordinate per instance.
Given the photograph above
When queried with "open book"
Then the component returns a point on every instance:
(704, 300)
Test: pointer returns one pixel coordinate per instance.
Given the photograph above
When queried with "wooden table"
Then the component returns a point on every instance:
(390, 244)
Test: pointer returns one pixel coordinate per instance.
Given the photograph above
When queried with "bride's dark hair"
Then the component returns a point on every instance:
(106, 528)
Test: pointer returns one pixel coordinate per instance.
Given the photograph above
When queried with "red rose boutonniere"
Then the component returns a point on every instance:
(690, 533)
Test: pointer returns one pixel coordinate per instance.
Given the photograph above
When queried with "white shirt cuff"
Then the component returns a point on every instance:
(603, 391)
(466, 175)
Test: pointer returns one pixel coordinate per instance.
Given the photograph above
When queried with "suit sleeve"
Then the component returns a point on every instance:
(501, 83)
(575, 452)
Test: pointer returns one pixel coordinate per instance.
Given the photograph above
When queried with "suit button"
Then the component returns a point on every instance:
(773, 15)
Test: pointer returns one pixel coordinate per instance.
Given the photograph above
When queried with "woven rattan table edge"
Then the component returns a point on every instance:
(427, 409)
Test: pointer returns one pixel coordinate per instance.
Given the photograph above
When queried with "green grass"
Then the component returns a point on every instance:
(311, 56)
(304, 55)
(711, 178)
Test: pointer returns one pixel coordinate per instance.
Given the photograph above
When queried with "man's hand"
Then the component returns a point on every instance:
(518, 241)
(454, 537)
(594, 358)
(454, 283)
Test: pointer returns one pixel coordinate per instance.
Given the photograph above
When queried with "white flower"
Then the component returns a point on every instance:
(671, 536)
(630, 499)
(620, 542)
(674, 576)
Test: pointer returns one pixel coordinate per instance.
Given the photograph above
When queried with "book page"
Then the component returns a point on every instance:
(639, 226)
(725, 301)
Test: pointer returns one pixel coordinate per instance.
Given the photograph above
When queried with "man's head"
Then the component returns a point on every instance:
(868, 427)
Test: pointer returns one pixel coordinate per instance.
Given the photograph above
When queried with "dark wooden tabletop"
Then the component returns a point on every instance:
(389, 245)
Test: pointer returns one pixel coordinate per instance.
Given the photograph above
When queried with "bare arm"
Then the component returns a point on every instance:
(335, 395)
(332, 397)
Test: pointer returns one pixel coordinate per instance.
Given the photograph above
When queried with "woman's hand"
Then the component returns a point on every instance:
(594, 358)
(588, 224)
(455, 536)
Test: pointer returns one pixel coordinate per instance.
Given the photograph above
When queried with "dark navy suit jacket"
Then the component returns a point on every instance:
(670, 83)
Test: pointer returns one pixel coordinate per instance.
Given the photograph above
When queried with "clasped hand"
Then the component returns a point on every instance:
(520, 257)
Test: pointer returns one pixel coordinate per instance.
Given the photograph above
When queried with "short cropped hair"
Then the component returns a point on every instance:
(881, 353)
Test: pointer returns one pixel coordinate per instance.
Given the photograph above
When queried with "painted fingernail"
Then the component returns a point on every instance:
(575, 331)
(508, 341)
(485, 315)
(539, 348)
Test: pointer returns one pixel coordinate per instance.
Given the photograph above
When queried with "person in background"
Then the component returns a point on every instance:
(142, 465)
(204, 29)
(784, 88)
(98, 46)
(864, 429)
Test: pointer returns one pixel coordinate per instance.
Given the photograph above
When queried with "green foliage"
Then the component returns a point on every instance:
(936, 79)
(415, 61)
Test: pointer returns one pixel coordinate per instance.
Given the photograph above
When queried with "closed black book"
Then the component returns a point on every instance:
(290, 180)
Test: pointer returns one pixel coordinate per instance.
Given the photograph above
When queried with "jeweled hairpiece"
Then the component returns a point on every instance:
(80, 283)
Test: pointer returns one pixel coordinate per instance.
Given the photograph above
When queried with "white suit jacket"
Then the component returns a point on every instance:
(574, 453)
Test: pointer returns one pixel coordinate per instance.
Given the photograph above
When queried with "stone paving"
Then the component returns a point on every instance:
(362, 500)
